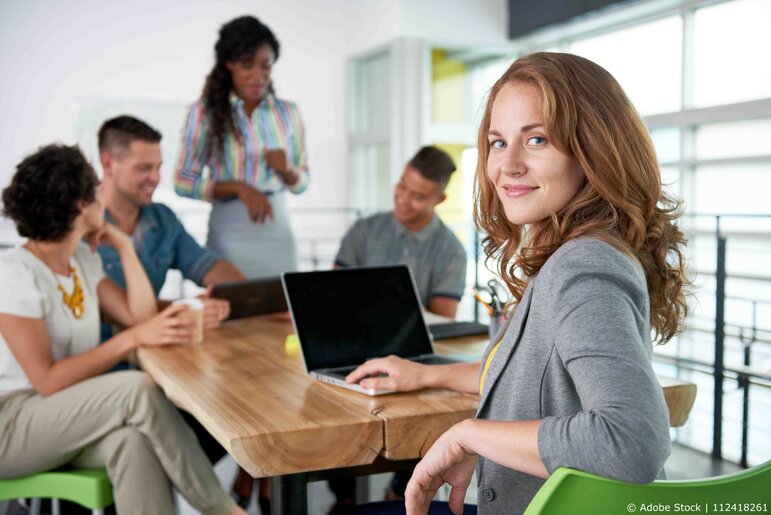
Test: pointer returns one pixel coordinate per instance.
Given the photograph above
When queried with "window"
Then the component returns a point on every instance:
(748, 138)
(646, 60)
(731, 48)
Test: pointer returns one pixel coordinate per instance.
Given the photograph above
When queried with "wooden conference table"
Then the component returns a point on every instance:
(252, 394)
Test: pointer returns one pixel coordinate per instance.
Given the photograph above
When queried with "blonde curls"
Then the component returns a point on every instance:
(588, 116)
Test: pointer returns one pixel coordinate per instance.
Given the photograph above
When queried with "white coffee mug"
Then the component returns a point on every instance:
(195, 313)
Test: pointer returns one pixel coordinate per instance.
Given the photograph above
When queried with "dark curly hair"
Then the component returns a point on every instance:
(239, 40)
(45, 191)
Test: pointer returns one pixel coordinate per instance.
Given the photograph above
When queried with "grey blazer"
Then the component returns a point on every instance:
(577, 354)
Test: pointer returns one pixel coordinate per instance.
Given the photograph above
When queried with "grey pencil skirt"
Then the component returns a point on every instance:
(257, 249)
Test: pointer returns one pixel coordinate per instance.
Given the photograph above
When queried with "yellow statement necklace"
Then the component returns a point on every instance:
(74, 300)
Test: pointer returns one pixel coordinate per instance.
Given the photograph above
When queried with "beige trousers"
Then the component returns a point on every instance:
(120, 421)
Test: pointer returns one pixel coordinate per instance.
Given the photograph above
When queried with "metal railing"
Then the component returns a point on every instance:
(750, 336)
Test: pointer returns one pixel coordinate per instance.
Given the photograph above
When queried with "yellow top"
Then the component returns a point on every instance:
(487, 365)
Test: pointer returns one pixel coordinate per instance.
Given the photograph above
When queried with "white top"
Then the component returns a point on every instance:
(28, 288)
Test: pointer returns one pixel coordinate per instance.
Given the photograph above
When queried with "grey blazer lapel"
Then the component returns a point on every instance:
(511, 339)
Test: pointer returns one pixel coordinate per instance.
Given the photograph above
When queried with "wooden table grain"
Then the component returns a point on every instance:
(253, 395)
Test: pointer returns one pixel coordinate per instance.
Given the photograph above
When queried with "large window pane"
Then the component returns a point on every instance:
(731, 49)
(666, 140)
(370, 113)
(736, 189)
(646, 61)
(370, 183)
(671, 181)
(483, 76)
(736, 139)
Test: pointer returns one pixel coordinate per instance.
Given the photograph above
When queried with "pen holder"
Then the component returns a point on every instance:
(496, 324)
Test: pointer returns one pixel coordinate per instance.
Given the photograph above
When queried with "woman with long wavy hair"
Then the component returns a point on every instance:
(253, 145)
(568, 192)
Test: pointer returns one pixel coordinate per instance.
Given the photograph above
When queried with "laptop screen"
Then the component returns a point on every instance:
(346, 316)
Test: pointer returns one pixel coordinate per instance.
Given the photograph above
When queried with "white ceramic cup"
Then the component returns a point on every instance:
(195, 313)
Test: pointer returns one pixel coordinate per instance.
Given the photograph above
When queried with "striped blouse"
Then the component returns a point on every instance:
(274, 124)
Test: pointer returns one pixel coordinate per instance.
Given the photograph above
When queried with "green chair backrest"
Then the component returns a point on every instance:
(90, 488)
(573, 492)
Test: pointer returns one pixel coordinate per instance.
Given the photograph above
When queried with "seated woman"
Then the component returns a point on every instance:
(568, 191)
(55, 407)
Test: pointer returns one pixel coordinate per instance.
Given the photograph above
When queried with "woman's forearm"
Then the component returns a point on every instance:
(140, 297)
(463, 377)
(223, 189)
(513, 444)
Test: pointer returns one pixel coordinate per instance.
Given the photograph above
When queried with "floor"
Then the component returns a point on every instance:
(686, 463)
(320, 499)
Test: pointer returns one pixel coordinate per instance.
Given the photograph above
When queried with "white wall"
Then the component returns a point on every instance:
(57, 57)
(461, 21)
(371, 23)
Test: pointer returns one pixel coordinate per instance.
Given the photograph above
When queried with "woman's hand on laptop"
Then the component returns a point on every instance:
(390, 373)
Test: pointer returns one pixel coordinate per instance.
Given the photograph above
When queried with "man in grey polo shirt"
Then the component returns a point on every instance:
(414, 235)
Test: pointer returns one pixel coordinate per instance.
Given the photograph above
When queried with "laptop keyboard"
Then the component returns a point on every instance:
(342, 371)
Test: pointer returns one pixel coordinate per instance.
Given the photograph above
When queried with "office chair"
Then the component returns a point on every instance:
(90, 488)
(578, 493)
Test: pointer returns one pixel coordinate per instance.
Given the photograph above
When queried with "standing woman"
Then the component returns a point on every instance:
(57, 406)
(568, 192)
(253, 145)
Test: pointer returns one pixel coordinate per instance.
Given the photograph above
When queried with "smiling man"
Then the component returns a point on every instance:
(414, 235)
(130, 154)
(411, 234)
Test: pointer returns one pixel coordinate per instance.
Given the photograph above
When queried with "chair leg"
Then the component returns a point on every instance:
(55, 509)
(97, 512)
(34, 507)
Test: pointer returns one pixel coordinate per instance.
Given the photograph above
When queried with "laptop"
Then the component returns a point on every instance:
(444, 330)
(252, 297)
(346, 316)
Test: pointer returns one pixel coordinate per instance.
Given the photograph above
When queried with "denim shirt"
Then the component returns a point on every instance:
(161, 243)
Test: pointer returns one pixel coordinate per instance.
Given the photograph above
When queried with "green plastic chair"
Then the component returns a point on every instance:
(577, 493)
(90, 488)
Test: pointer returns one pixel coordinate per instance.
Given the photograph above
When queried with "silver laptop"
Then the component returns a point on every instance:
(344, 317)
